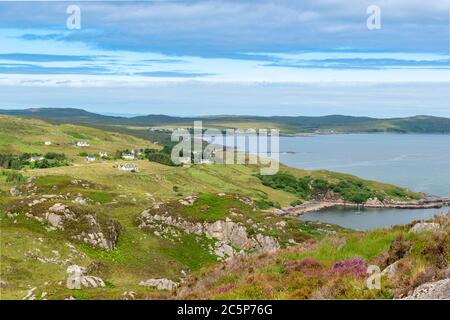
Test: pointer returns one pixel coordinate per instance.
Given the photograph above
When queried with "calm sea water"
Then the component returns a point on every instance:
(417, 162)
(371, 218)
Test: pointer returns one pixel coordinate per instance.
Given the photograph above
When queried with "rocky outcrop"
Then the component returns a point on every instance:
(432, 291)
(391, 270)
(229, 231)
(79, 224)
(229, 234)
(425, 226)
(188, 201)
(14, 192)
(160, 284)
(78, 277)
(96, 231)
(328, 201)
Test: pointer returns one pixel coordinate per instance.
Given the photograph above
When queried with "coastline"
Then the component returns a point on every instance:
(316, 205)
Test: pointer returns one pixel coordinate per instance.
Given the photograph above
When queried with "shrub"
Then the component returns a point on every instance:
(13, 176)
(437, 249)
(296, 202)
(398, 249)
(353, 266)
(307, 266)
(266, 204)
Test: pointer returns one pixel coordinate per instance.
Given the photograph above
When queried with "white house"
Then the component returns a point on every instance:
(127, 167)
(103, 154)
(48, 143)
(90, 159)
(39, 158)
(83, 144)
(128, 156)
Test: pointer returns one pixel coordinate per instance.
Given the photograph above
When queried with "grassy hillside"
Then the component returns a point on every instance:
(21, 135)
(128, 227)
(334, 267)
(286, 124)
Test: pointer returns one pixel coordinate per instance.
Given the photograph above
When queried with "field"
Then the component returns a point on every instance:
(160, 222)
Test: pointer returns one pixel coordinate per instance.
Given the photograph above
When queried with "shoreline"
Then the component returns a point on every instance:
(317, 205)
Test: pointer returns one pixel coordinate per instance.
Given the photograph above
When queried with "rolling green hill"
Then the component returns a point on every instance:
(162, 222)
(286, 124)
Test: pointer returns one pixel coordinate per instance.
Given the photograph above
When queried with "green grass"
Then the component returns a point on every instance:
(366, 246)
(190, 251)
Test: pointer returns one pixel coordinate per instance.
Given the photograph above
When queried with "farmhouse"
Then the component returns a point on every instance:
(90, 158)
(83, 144)
(103, 154)
(128, 156)
(39, 158)
(127, 167)
(137, 152)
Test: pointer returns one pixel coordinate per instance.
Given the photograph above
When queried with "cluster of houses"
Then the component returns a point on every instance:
(101, 154)
(132, 155)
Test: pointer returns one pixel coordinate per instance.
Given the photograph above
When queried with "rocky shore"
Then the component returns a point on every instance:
(428, 202)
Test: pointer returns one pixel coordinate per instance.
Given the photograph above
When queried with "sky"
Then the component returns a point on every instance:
(261, 57)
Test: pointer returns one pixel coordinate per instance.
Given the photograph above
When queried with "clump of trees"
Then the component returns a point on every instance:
(13, 177)
(352, 190)
(17, 162)
(160, 156)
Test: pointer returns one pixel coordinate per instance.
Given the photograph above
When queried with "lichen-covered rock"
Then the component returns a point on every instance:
(230, 231)
(80, 201)
(160, 284)
(390, 270)
(374, 202)
(425, 226)
(267, 243)
(14, 192)
(224, 251)
(233, 234)
(77, 223)
(432, 291)
(78, 278)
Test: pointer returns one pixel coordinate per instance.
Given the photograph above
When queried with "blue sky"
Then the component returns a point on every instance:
(309, 57)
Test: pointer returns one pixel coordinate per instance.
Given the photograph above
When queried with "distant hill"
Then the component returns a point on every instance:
(287, 124)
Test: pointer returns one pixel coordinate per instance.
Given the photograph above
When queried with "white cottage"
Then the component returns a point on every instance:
(127, 167)
(128, 156)
(83, 144)
(90, 159)
(39, 158)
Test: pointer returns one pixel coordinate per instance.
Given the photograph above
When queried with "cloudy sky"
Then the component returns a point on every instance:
(265, 57)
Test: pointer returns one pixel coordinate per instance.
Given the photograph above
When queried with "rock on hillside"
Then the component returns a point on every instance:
(78, 223)
(432, 291)
(229, 234)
